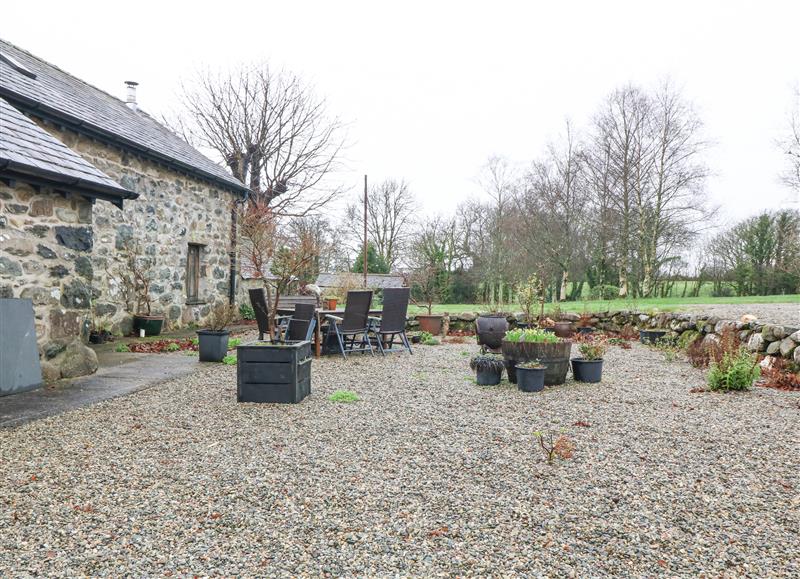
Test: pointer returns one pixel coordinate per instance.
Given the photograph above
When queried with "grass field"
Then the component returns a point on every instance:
(662, 304)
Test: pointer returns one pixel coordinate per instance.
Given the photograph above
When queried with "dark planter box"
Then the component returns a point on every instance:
(530, 379)
(651, 336)
(587, 370)
(150, 324)
(212, 346)
(586, 330)
(268, 372)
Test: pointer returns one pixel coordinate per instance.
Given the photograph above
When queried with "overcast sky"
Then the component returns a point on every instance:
(432, 89)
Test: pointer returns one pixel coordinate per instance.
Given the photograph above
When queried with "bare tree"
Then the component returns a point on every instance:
(272, 132)
(391, 208)
(620, 127)
(790, 144)
(498, 179)
(277, 252)
(554, 203)
(671, 205)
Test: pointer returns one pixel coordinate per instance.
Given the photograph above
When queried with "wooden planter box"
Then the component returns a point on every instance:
(268, 372)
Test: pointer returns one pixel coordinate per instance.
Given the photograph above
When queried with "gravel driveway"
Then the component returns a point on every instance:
(427, 475)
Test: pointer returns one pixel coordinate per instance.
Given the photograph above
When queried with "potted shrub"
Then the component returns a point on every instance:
(100, 333)
(651, 336)
(527, 345)
(213, 341)
(488, 369)
(530, 376)
(425, 285)
(330, 302)
(589, 367)
(585, 324)
(134, 274)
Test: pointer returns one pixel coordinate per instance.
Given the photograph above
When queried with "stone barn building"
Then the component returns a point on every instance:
(84, 177)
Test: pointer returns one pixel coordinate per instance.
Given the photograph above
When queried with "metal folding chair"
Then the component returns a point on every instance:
(392, 323)
(353, 324)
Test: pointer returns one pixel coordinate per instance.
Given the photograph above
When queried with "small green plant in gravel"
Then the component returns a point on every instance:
(425, 336)
(122, 347)
(230, 360)
(172, 347)
(191, 353)
(465, 354)
(233, 343)
(736, 371)
(533, 336)
(344, 396)
(430, 342)
(195, 341)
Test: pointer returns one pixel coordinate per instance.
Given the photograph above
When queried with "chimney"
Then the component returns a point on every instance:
(130, 100)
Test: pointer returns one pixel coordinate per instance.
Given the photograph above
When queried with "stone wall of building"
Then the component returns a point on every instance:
(61, 251)
(173, 210)
(46, 245)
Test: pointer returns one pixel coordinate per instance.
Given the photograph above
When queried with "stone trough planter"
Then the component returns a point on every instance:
(268, 372)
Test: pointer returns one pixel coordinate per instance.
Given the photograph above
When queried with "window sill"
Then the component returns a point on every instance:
(196, 302)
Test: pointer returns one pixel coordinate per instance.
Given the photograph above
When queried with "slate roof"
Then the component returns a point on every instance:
(27, 149)
(374, 280)
(56, 93)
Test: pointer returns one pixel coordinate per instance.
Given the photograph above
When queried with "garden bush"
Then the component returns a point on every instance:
(246, 311)
(735, 371)
(604, 292)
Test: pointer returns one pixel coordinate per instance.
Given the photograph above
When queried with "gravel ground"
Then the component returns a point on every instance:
(428, 474)
(786, 314)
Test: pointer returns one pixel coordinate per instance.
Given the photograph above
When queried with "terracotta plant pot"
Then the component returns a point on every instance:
(430, 323)
(330, 303)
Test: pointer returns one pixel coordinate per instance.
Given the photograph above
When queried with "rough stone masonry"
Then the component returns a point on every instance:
(57, 250)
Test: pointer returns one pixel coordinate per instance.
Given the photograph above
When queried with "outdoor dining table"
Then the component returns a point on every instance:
(321, 313)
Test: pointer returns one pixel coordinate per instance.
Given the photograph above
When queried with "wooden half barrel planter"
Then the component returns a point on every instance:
(554, 356)
(273, 372)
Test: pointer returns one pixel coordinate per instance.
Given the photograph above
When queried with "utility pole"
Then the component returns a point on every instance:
(365, 231)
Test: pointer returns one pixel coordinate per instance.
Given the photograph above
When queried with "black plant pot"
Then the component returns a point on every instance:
(100, 337)
(651, 336)
(587, 370)
(530, 379)
(488, 377)
(585, 330)
(212, 346)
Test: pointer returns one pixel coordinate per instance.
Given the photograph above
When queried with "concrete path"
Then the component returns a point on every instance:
(117, 376)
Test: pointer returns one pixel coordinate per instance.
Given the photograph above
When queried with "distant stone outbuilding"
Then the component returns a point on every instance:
(83, 175)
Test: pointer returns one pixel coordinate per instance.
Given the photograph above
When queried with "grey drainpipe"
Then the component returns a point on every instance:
(232, 284)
